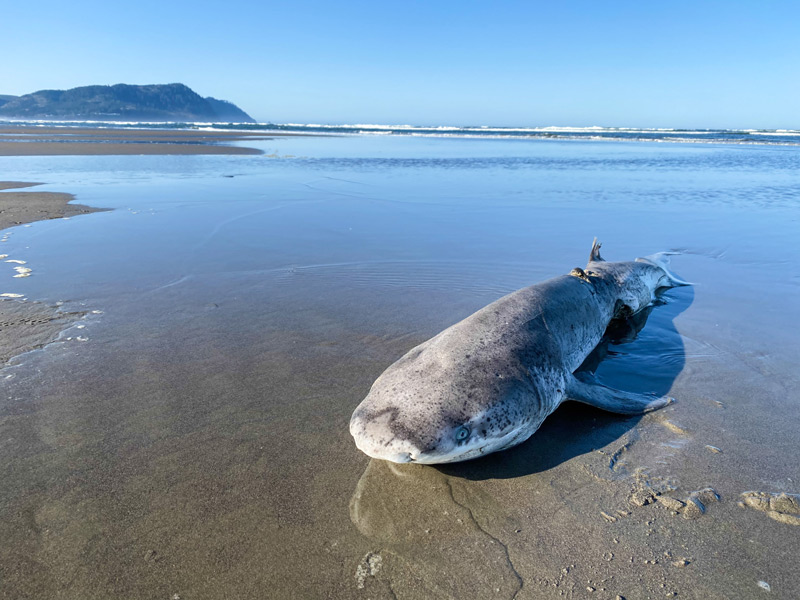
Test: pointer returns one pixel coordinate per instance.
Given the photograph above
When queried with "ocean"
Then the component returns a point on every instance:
(785, 137)
(188, 437)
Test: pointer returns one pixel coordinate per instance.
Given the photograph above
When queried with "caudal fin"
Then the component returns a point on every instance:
(594, 255)
(661, 260)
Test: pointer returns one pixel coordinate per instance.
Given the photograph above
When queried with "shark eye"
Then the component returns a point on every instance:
(462, 433)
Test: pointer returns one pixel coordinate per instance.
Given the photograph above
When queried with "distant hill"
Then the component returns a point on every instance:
(122, 102)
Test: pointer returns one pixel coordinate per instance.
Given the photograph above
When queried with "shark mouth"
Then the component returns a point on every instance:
(479, 448)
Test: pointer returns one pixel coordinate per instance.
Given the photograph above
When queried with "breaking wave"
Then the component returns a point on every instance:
(790, 137)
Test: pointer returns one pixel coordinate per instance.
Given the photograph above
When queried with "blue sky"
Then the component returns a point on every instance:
(616, 63)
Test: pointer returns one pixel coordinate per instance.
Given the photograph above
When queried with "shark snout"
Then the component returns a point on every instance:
(375, 439)
(400, 457)
(390, 452)
(394, 450)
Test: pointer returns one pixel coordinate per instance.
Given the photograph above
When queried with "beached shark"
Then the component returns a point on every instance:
(488, 382)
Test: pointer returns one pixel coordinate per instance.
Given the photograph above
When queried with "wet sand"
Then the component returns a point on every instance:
(53, 141)
(17, 208)
(192, 440)
(26, 325)
(158, 472)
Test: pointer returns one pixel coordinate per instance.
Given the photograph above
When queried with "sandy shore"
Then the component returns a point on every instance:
(52, 141)
(192, 442)
(26, 325)
(17, 208)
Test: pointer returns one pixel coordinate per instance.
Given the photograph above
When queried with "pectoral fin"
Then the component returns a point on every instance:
(584, 388)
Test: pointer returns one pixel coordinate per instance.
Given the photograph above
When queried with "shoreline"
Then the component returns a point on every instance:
(20, 208)
(28, 325)
(106, 139)
(63, 141)
(193, 439)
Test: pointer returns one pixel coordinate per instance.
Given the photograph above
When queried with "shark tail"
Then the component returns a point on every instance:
(661, 260)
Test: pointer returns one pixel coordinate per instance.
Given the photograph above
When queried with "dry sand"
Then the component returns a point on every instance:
(50, 141)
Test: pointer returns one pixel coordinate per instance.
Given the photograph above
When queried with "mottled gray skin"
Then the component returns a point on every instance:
(492, 378)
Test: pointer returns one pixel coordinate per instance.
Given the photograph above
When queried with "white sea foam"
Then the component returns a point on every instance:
(780, 132)
(560, 132)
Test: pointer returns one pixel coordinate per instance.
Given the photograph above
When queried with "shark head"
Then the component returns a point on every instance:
(424, 410)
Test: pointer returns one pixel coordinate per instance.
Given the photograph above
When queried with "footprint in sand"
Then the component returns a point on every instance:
(697, 501)
(693, 506)
(782, 507)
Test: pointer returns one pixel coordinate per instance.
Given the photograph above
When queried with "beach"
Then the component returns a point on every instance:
(54, 141)
(30, 325)
(185, 433)
(18, 208)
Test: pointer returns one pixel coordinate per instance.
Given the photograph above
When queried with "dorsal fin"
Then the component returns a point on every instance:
(594, 255)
